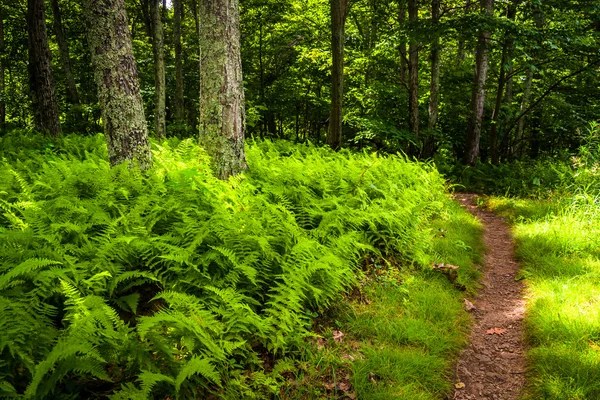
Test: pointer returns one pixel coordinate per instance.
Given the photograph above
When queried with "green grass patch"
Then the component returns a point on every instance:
(559, 245)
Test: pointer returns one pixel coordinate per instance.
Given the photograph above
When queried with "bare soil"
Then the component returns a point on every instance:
(492, 367)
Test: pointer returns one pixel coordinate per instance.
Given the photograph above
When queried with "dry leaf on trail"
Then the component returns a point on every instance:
(329, 385)
(469, 306)
(495, 331)
(460, 385)
(337, 336)
(343, 386)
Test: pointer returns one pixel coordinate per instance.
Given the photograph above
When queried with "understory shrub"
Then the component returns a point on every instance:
(129, 285)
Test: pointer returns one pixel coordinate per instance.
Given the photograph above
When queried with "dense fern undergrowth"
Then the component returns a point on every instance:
(129, 285)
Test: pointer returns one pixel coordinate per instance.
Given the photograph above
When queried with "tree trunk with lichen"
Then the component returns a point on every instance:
(339, 11)
(158, 44)
(179, 99)
(116, 76)
(222, 115)
(63, 51)
(478, 95)
(41, 81)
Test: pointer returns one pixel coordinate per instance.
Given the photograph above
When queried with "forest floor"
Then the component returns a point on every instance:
(493, 364)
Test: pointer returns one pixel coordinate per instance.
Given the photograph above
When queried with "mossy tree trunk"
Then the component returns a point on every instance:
(339, 12)
(478, 95)
(63, 51)
(158, 45)
(222, 115)
(41, 81)
(118, 85)
(179, 99)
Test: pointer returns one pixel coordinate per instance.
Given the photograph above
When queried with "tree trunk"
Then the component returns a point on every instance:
(413, 71)
(158, 44)
(403, 55)
(222, 116)
(2, 61)
(507, 51)
(63, 51)
(524, 106)
(434, 91)
(478, 94)
(116, 76)
(339, 12)
(179, 100)
(41, 81)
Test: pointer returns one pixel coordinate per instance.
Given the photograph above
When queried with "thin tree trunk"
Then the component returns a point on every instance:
(222, 116)
(434, 91)
(478, 95)
(63, 51)
(403, 54)
(524, 105)
(179, 99)
(507, 51)
(41, 81)
(339, 12)
(2, 85)
(413, 71)
(158, 44)
(116, 76)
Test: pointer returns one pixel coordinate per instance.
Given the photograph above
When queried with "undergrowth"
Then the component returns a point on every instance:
(171, 283)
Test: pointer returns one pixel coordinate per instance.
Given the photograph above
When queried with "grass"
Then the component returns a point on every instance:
(399, 335)
(559, 246)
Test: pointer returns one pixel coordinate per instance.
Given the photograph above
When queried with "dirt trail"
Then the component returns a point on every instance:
(492, 366)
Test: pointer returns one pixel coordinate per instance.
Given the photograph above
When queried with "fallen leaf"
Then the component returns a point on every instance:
(594, 345)
(495, 331)
(372, 377)
(343, 386)
(329, 385)
(469, 306)
(337, 336)
(460, 385)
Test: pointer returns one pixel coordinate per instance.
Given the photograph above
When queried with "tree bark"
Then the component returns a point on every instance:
(63, 51)
(222, 116)
(179, 99)
(2, 85)
(478, 95)
(41, 81)
(434, 91)
(507, 51)
(339, 12)
(116, 76)
(158, 44)
(403, 54)
(413, 71)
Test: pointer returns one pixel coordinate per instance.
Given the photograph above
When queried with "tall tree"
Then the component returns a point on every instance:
(158, 45)
(413, 70)
(41, 81)
(434, 91)
(339, 12)
(222, 115)
(116, 76)
(2, 61)
(63, 51)
(478, 94)
(461, 54)
(179, 99)
(403, 55)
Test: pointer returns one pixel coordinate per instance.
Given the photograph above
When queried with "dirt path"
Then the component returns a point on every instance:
(493, 365)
